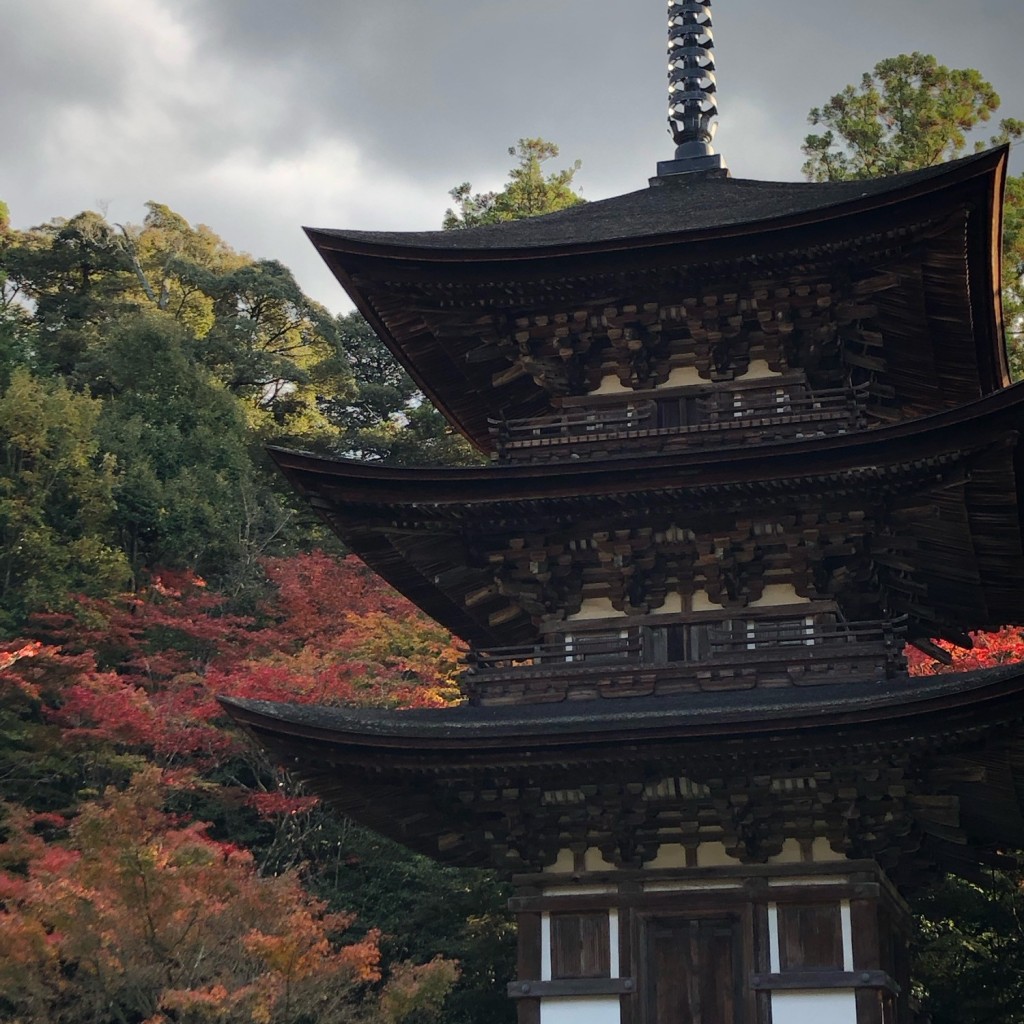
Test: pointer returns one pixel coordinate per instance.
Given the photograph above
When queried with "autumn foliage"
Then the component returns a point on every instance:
(135, 916)
(143, 673)
(1003, 647)
(116, 909)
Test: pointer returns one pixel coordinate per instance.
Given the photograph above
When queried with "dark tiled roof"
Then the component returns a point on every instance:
(903, 704)
(689, 204)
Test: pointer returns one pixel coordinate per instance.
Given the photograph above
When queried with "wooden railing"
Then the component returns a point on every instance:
(792, 633)
(718, 656)
(571, 425)
(727, 417)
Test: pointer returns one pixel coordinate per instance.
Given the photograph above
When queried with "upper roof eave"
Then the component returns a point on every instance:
(612, 224)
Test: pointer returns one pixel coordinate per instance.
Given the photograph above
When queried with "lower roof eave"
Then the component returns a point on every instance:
(831, 715)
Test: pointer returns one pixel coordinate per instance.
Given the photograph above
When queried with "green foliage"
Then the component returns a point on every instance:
(180, 443)
(1013, 274)
(196, 355)
(13, 314)
(142, 369)
(910, 112)
(57, 504)
(528, 192)
(277, 349)
(969, 962)
(384, 417)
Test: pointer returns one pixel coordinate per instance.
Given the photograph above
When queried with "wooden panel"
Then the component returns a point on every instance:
(810, 936)
(629, 1008)
(820, 979)
(693, 970)
(528, 1011)
(528, 967)
(586, 988)
(867, 951)
(872, 1006)
(579, 946)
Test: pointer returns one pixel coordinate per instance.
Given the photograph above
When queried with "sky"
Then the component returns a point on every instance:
(256, 117)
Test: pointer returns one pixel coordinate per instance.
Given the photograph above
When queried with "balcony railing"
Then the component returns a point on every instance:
(722, 418)
(696, 656)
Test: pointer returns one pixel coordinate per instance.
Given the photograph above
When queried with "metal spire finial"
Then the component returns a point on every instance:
(692, 88)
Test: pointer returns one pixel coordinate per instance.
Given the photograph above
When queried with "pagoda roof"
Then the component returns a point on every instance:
(685, 207)
(448, 740)
(443, 301)
(410, 525)
(402, 772)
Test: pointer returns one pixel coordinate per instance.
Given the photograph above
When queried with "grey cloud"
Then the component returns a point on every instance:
(431, 93)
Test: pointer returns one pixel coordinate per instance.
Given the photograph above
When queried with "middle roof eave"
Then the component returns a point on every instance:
(964, 427)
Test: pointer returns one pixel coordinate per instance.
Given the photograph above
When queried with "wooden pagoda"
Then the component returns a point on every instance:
(747, 440)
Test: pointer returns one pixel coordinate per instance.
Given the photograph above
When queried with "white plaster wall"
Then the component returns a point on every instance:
(683, 376)
(593, 860)
(814, 1007)
(596, 608)
(757, 369)
(703, 603)
(611, 385)
(670, 855)
(776, 595)
(823, 852)
(789, 854)
(596, 1010)
(713, 855)
(563, 865)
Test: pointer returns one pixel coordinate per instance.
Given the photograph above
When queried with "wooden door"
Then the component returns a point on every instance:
(693, 971)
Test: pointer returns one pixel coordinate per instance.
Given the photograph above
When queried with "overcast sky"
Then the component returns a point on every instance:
(258, 116)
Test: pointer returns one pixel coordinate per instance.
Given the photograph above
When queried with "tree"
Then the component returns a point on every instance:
(384, 417)
(247, 321)
(175, 264)
(57, 503)
(277, 349)
(121, 684)
(1013, 274)
(910, 112)
(181, 446)
(13, 314)
(527, 193)
(136, 916)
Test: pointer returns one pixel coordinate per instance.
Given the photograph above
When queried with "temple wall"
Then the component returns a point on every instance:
(593, 1010)
(814, 1007)
(782, 943)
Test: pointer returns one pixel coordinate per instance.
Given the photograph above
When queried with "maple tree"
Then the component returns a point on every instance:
(136, 916)
(143, 673)
(1002, 647)
(112, 686)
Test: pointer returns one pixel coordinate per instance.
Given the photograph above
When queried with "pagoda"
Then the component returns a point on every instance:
(747, 439)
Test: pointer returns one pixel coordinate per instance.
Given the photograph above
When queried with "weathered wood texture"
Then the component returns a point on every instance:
(579, 946)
